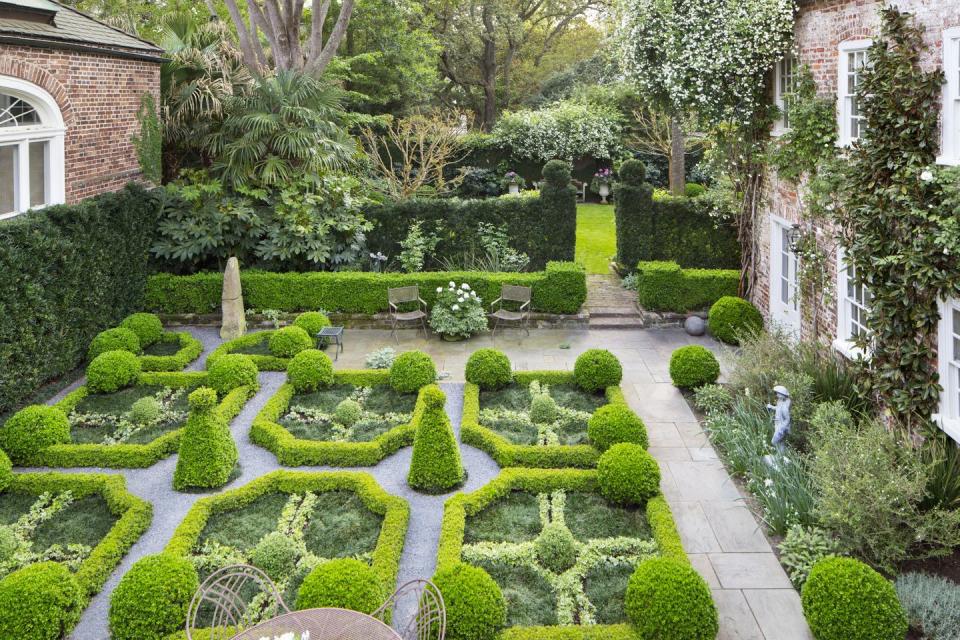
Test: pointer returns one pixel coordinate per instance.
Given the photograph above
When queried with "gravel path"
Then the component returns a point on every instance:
(169, 507)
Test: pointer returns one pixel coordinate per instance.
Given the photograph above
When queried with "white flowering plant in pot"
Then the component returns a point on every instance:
(458, 312)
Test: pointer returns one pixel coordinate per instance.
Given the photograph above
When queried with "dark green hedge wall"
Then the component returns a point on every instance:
(66, 273)
(664, 286)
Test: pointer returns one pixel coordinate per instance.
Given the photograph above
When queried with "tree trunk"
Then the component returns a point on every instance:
(678, 170)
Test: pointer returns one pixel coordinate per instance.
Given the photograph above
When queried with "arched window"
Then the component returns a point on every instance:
(31, 148)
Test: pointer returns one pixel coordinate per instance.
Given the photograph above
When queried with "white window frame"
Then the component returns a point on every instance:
(788, 65)
(845, 136)
(786, 314)
(844, 342)
(949, 368)
(950, 109)
(50, 130)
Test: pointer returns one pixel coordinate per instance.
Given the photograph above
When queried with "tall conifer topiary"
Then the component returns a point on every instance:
(435, 466)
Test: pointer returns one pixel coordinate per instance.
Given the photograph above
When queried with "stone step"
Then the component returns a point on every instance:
(613, 312)
(616, 322)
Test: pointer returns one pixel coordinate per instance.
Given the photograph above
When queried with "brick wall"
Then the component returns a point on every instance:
(99, 96)
(820, 28)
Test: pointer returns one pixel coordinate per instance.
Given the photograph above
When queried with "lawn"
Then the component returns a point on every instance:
(596, 236)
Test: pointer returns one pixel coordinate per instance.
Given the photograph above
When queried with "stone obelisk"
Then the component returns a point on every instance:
(234, 322)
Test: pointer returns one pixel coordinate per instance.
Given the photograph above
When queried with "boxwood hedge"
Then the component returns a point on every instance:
(664, 286)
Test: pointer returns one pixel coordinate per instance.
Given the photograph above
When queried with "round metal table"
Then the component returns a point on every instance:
(323, 624)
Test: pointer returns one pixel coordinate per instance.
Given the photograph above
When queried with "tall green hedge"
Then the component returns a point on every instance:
(664, 286)
(68, 272)
(561, 288)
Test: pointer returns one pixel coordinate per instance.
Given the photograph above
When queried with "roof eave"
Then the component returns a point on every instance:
(53, 43)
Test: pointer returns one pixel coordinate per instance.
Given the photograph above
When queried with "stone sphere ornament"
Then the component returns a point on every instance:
(695, 326)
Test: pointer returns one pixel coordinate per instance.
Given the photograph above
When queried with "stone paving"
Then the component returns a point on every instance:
(726, 545)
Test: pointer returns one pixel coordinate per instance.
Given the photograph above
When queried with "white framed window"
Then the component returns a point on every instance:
(31, 148)
(853, 300)
(784, 76)
(784, 278)
(950, 121)
(948, 355)
(853, 60)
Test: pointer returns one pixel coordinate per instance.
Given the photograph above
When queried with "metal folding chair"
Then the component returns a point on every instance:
(520, 297)
(401, 296)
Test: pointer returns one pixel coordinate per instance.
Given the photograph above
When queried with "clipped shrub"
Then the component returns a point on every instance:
(230, 371)
(435, 466)
(345, 583)
(556, 173)
(33, 429)
(844, 599)
(208, 453)
(116, 339)
(627, 474)
(667, 599)
(310, 370)
(348, 412)
(632, 172)
(147, 326)
(6, 471)
(694, 190)
(693, 366)
(8, 542)
(597, 369)
(731, 317)
(412, 370)
(152, 598)
(615, 423)
(489, 369)
(556, 548)
(40, 601)
(932, 604)
(543, 409)
(311, 322)
(145, 410)
(112, 371)
(664, 286)
(275, 554)
(289, 341)
(475, 606)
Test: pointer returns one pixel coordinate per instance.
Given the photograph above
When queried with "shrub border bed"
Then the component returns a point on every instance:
(190, 349)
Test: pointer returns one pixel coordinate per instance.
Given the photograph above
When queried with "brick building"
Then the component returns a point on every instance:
(831, 38)
(70, 89)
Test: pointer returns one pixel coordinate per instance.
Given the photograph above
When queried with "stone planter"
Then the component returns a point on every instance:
(604, 191)
(514, 188)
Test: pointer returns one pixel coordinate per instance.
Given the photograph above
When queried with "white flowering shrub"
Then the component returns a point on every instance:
(457, 312)
(565, 130)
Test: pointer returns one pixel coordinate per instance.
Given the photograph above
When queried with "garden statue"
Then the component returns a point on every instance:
(234, 322)
(781, 416)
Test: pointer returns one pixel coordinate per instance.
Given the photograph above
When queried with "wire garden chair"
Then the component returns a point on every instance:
(420, 605)
(518, 297)
(225, 597)
(404, 296)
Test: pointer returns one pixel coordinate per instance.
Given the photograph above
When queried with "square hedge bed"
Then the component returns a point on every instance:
(300, 428)
(173, 352)
(326, 515)
(85, 521)
(97, 423)
(500, 526)
(256, 345)
(498, 422)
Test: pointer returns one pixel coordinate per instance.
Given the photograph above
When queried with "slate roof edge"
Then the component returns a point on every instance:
(74, 45)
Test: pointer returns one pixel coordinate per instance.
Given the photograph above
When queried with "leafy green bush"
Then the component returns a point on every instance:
(667, 599)
(844, 599)
(664, 286)
(233, 370)
(932, 604)
(632, 172)
(116, 339)
(208, 453)
(731, 318)
(627, 474)
(543, 409)
(712, 399)
(435, 466)
(147, 326)
(614, 423)
(33, 429)
(348, 412)
(145, 410)
(489, 369)
(310, 370)
(276, 554)
(152, 598)
(693, 190)
(693, 366)
(289, 341)
(556, 548)
(8, 542)
(311, 322)
(6, 470)
(475, 606)
(112, 371)
(802, 548)
(344, 583)
(42, 601)
(412, 370)
(597, 369)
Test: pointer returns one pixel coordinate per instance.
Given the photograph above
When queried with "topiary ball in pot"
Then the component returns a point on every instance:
(310, 370)
(152, 598)
(112, 371)
(489, 369)
(345, 583)
(289, 341)
(41, 601)
(632, 172)
(311, 322)
(627, 474)
(435, 466)
(117, 339)
(557, 173)
(844, 599)
(33, 429)
(543, 409)
(147, 326)
(731, 317)
(693, 366)
(6, 471)
(275, 554)
(348, 412)
(475, 606)
(556, 548)
(231, 371)
(412, 370)
(597, 369)
(145, 410)
(667, 599)
(615, 423)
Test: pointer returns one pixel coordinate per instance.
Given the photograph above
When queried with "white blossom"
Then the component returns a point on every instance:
(455, 307)
(465, 286)
(439, 289)
(927, 176)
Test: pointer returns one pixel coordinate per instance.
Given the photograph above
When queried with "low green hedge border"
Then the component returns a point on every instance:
(664, 286)
(294, 452)
(263, 362)
(560, 288)
(190, 349)
(395, 512)
(133, 456)
(508, 454)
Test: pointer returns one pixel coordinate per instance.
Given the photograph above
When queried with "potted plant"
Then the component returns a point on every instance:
(601, 182)
(513, 181)
(457, 313)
